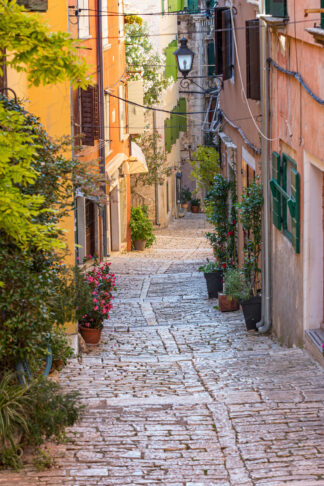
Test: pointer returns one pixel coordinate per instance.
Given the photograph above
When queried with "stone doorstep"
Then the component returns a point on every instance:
(313, 344)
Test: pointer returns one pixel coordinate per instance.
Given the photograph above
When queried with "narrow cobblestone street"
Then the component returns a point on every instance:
(180, 394)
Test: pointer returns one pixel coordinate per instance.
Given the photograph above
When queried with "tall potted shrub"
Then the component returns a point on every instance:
(141, 228)
(250, 214)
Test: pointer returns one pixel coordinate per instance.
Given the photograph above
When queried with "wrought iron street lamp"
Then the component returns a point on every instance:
(185, 58)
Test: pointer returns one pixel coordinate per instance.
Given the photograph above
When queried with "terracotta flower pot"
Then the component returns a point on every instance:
(227, 303)
(91, 336)
(185, 205)
(195, 209)
(140, 245)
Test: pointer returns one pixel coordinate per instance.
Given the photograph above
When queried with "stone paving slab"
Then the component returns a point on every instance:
(179, 394)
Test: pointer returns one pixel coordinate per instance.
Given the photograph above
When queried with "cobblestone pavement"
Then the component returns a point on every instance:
(180, 394)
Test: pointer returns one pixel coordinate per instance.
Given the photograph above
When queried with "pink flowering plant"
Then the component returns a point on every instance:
(94, 295)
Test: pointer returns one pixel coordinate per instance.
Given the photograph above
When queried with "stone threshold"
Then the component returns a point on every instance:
(314, 339)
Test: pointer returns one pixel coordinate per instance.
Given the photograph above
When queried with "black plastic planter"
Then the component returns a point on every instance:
(252, 312)
(214, 282)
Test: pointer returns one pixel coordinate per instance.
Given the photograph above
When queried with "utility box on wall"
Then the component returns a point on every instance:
(34, 5)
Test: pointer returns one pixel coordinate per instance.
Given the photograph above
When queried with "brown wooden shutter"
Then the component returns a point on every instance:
(253, 59)
(224, 53)
(34, 5)
(90, 115)
(228, 46)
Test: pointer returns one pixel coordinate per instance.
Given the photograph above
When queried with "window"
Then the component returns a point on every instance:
(83, 16)
(193, 6)
(89, 115)
(276, 8)
(252, 32)
(104, 23)
(176, 5)
(107, 124)
(122, 113)
(120, 18)
(211, 58)
(224, 45)
(171, 67)
(285, 188)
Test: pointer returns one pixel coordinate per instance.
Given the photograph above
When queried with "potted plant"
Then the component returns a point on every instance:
(236, 290)
(250, 213)
(195, 205)
(141, 228)
(213, 274)
(185, 197)
(93, 298)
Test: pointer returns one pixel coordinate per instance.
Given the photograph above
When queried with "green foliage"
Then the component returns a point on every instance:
(221, 216)
(250, 214)
(195, 202)
(143, 61)
(210, 267)
(185, 195)
(205, 166)
(150, 143)
(236, 285)
(33, 413)
(140, 225)
(47, 57)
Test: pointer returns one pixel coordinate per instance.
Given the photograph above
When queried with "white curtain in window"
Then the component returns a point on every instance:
(83, 17)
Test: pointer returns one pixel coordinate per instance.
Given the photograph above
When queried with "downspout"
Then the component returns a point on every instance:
(76, 229)
(265, 324)
(157, 208)
(102, 152)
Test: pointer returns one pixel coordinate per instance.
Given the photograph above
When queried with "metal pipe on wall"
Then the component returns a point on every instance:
(102, 152)
(265, 324)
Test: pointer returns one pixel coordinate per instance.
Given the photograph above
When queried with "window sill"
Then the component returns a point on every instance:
(317, 33)
(86, 37)
(275, 21)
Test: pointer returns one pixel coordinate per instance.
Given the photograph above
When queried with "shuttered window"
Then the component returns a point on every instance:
(175, 124)
(193, 6)
(322, 15)
(89, 115)
(171, 68)
(211, 58)
(276, 8)
(83, 19)
(252, 31)
(285, 188)
(34, 5)
(224, 46)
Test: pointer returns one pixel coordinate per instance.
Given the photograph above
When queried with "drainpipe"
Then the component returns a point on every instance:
(102, 153)
(157, 208)
(265, 324)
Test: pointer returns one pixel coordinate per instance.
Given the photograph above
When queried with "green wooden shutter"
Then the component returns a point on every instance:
(183, 118)
(193, 6)
(211, 58)
(322, 15)
(276, 196)
(167, 135)
(294, 208)
(276, 8)
(162, 5)
(171, 67)
(172, 5)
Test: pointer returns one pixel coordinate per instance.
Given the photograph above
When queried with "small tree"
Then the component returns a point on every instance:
(250, 213)
(205, 166)
(150, 143)
(143, 62)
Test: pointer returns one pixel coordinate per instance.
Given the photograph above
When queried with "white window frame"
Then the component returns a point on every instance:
(107, 122)
(83, 19)
(104, 23)
(120, 19)
(122, 113)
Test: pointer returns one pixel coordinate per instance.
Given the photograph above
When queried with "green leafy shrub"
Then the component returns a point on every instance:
(195, 202)
(236, 285)
(185, 195)
(210, 267)
(205, 166)
(32, 414)
(141, 227)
